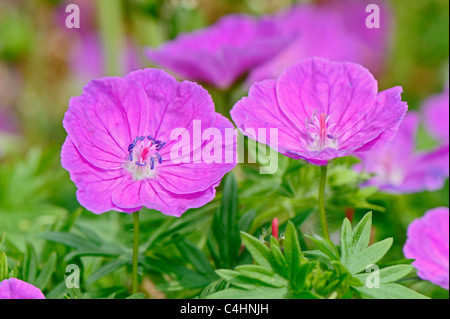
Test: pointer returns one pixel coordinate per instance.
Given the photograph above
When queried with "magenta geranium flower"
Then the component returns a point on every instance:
(336, 30)
(223, 52)
(436, 109)
(13, 288)
(398, 168)
(322, 110)
(124, 139)
(427, 243)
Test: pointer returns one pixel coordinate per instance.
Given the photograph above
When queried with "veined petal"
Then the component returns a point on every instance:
(104, 120)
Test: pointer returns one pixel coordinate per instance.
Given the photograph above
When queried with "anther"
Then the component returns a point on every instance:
(152, 163)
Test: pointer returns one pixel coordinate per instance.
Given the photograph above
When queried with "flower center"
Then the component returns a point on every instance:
(319, 132)
(143, 157)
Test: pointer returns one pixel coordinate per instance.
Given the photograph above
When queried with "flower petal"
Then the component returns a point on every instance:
(260, 110)
(218, 158)
(105, 119)
(150, 194)
(94, 184)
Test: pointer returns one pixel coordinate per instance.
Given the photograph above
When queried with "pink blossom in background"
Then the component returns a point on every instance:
(221, 53)
(323, 110)
(398, 168)
(9, 132)
(428, 244)
(86, 56)
(118, 148)
(336, 30)
(7, 123)
(17, 289)
(436, 111)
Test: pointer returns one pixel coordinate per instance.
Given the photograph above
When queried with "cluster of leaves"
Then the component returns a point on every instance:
(282, 270)
(208, 252)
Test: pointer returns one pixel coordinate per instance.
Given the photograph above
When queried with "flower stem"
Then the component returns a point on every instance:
(134, 280)
(322, 213)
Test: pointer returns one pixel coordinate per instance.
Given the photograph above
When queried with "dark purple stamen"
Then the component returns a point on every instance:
(330, 136)
(152, 163)
(160, 145)
(130, 147)
(159, 158)
(141, 164)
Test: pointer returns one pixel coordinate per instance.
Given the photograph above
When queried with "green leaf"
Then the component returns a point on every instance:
(259, 293)
(68, 239)
(361, 234)
(46, 272)
(259, 251)
(390, 291)
(389, 274)
(299, 275)
(346, 239)
(325, 246)
(246, 220)
(292, 250)
(224, 241)
(30, 264)
(194, 256)
(3, 267)
(106, 270)
(277, 260)
(369, 256)
(138, 295)
(213, 287)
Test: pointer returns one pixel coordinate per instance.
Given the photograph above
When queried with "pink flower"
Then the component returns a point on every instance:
(397, 168)
(119, 148)
(221, 53)
(427, 243)
(17, 289)
(322, 110)
(436, 109)
(336, 30)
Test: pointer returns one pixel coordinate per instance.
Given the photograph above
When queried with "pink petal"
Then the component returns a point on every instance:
(105, 119)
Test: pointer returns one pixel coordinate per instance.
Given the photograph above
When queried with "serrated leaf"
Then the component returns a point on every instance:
(389, 274)
(346, 239)
(371, 255)
(391, 291)
(361, 234)
(325, 246)
(213, 287)
(259, 251)
(277, 260)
